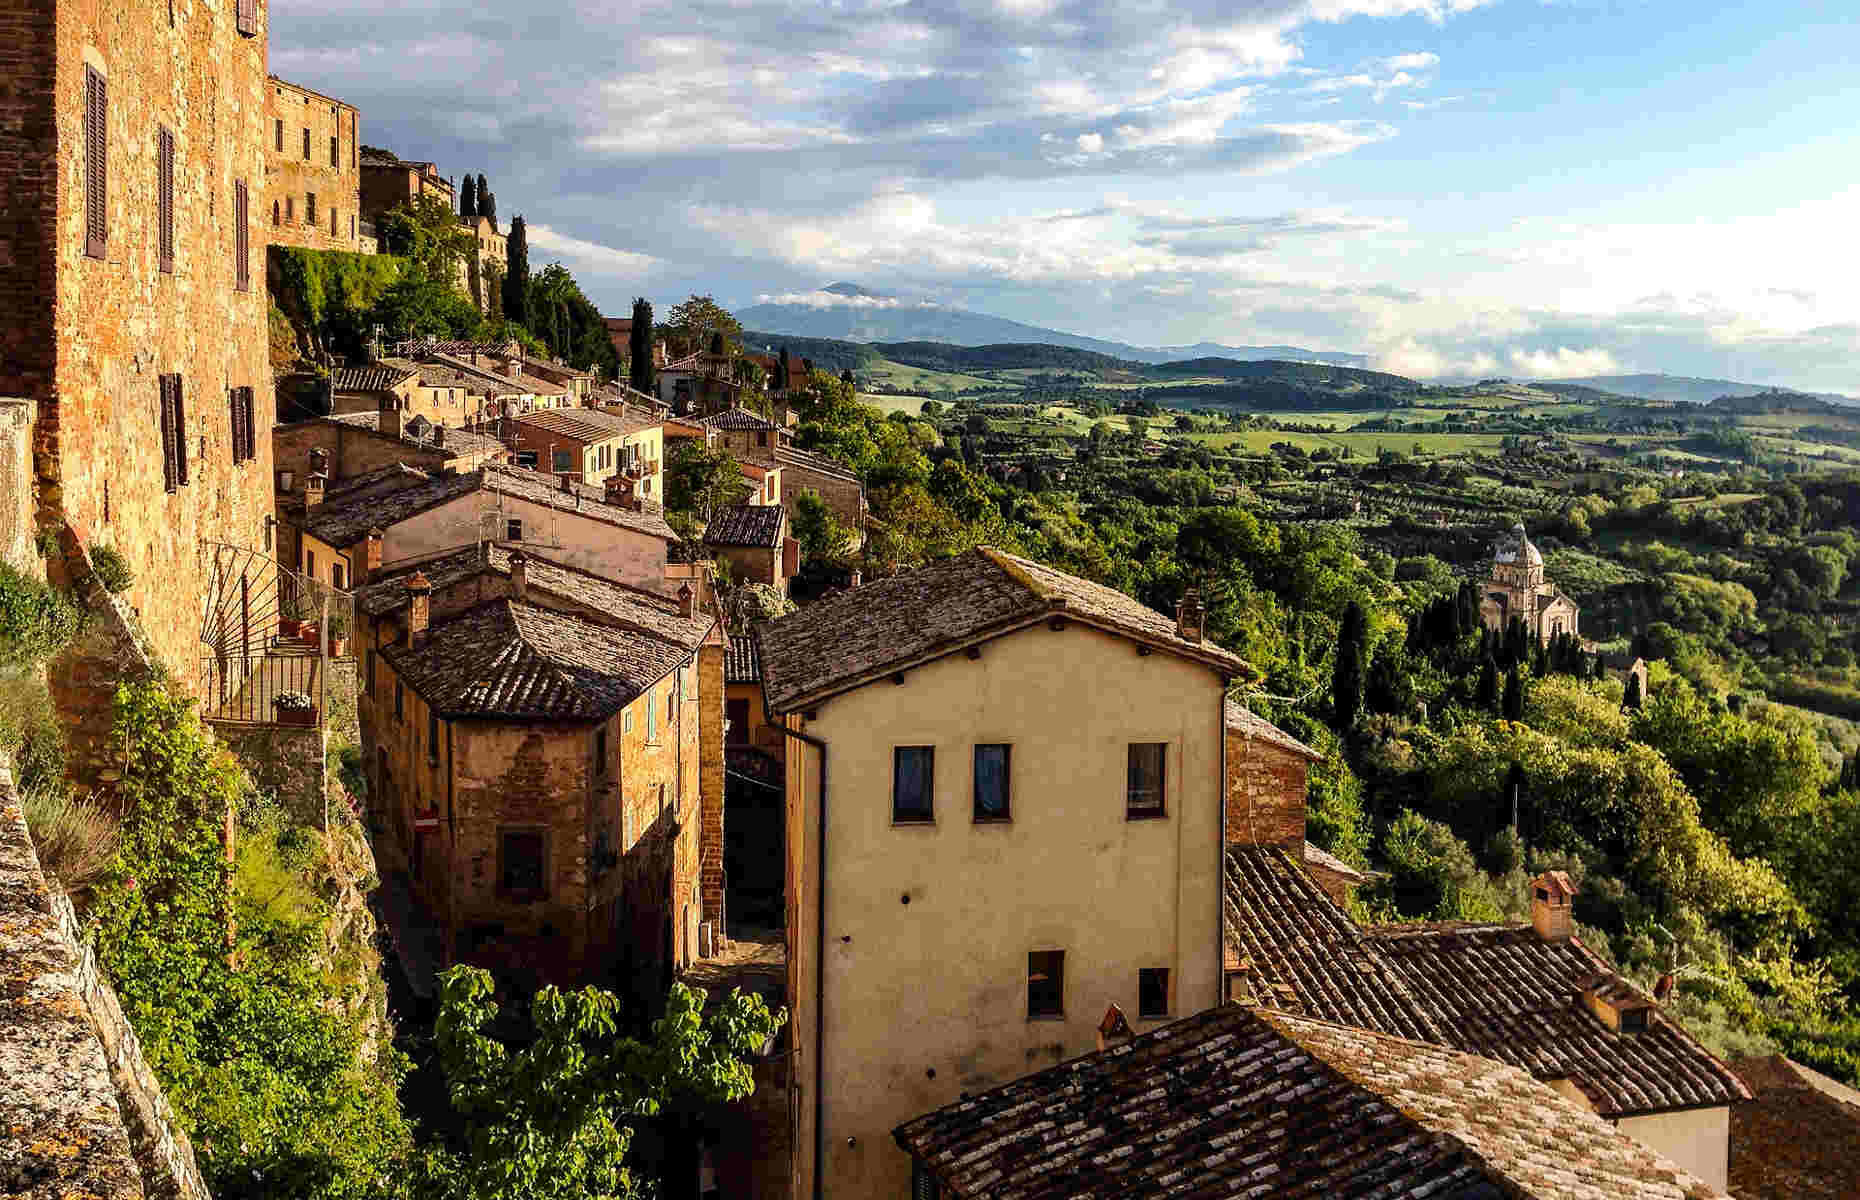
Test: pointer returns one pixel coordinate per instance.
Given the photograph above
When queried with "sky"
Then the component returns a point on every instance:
(1526, 188)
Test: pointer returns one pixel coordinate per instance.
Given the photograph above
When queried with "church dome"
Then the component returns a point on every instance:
(1517, 548)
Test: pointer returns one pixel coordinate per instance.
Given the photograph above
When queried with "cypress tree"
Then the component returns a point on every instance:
(1346, 681)
(517, 275)
(783, 378)
(1514, 793)
(846, 377)
(487, 203)
(1633, 698)
(468, 198)
(1487, 696)
(1514, 696)
(639, 347)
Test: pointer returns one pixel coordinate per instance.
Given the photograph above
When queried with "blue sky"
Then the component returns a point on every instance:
(1452, 187)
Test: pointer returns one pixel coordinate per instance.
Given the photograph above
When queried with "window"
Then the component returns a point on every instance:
(1144, 797)
(332, 223)
(310, 208)
(600, 751)
(242, 237)
(762, 439)
(173, 434)
(513, 530)
(652, 716)
(248, 26)
(991, 782)
(736, 713)
(1046, 984)
(96, 163)
(400, 701)
(310, 563)
(1153, 992)
(1634, 1020)
(306, 145)
(277, 213)
(564, 461)
(239, 411)
(278, 134)
(351, 224)
(432, 737)
(913, 776)
(520, 865)
(335, 156)
(290, 208)
(164, 201)
(335, 575)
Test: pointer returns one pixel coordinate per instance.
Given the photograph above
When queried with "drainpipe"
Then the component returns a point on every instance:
(820, 959)
(1220, 851)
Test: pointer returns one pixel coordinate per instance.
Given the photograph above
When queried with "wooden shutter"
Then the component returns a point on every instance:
(164, 200)
(180, 433)
(96, 163)
(248, 19)
(242, 244)
(170, 433)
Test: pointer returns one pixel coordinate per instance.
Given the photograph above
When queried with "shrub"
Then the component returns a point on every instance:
(112, 569)
(35, 621)
(29, 731)
(76, 838)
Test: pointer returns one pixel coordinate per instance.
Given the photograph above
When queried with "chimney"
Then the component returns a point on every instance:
(685, 598)
(390, 415)
(1551, 896)
(1114, 1029)
(371, 554)
(1664, 987)
(622, 491)
(439, 435)
(519, 575)
(568, 484)
(319, 461)
(314, 487)
(419, 608)
(1190, 617)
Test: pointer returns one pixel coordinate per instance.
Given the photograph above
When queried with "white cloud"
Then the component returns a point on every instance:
(1422, 61)
(825, 299)
(605, 259)
(1091, 143)
(1562, 362)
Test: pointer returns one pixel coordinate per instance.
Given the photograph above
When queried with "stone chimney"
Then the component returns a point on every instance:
(519, 575)
(568, 482)
(419, 608)
(319, 461)
(439, 436)
(1114, 1029)
(1190, 617)
(623, 491)
(315, 486)
(371, 553)
(686, 599)
(390, 415)
(1552, 893)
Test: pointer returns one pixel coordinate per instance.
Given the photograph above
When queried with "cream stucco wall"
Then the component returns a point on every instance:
(926, 1000)
(1698, 1139)
(625, 555)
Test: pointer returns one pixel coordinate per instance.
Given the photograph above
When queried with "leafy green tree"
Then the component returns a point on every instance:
(1390, 687)
(517, 272)
(550, 290)
(1346, 688)
(962, 490)
(693, 325)
(640, 367)
(1632, 699)
(702, 480)
(822, 535)
(424, 230)
(554, 1115)
(421, 304)
(1432, 874)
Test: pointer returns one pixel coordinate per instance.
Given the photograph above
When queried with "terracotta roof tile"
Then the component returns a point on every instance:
(840, 641)
(419, 432)
(587, 424)
(807, 460)
(1799, 1139)
(376, 377)
(344, 520)
(739, 419)
(756, 525)
(1239, 1103)
(742, 664)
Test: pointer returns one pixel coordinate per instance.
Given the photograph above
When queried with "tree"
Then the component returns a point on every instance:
(1487, 696)
(822, 535)
(640, 367)
(517, 273)
(468, 198)
(1346, 689)
(553, 1114)
(550, 292)
(487, 203)
(783, 376)
(1514, 695)
(693, 324)
(1632, 698)
(425, 231)
(701, 480)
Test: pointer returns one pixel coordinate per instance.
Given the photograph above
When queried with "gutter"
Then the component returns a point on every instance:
(820, 958)
(1220, 865)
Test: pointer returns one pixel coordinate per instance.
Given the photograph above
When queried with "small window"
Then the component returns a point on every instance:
(335, 156)
(520, 865)
(400, 701)
(279, 134)
(1046, 984)
(513, 530)
(244, 437)
(277, 213)
(1153, 992)
(762, 439)
(164, 201)
(247, 21)
(432, 736)
(96, 163)
(290, 208)
(309, 207)
(991, 782)
(1144, 796)
(564, 461)
(336, 576)
(1634, 1020)
(600, 751)
(736, 715)
(652, 716)
(913, 775)
(306, 145)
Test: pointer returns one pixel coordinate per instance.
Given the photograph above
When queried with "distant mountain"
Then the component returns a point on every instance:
(1687, 389)
(850, 313)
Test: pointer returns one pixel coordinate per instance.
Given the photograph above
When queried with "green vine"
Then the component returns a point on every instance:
(36, 621)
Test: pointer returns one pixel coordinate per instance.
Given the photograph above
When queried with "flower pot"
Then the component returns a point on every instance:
(338, 646)
(290, 627)
(294, 716)
(310, 636)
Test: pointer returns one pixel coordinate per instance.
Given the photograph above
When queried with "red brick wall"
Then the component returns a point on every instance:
(1265, 794)
(29, 161)
(711, 691)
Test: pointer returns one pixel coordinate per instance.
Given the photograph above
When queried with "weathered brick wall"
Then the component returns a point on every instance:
(351, 451)
(710, 697)
(111, 650)
(1265, 794)
(120, 323)
(18, 519)
(844, 496)
(82, 1113)
(287, 762)
(29, 161)
(290, 176)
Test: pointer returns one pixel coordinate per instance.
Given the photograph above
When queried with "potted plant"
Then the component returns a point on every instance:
(293, 708)
(338, 634)
(290, 610)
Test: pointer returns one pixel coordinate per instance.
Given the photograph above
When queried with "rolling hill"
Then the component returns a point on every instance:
(1686, 389)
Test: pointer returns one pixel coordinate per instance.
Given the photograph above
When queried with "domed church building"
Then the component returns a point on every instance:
(1517, 588)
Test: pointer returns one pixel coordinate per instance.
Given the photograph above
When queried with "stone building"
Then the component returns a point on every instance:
(1023, 826)
(355, 444)
(388, 181)
(482, 267)
(533, 736)
(828, 478)
(1517, 588)
(132, 275)
(591, 445)
(753, 539)
(312, 194)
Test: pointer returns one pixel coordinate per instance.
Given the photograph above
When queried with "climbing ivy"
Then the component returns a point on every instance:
(35, 621)
(330, 294)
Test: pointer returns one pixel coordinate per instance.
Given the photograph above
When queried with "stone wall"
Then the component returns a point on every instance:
(1265, 794)
(846, 497)
(83, 678)
(351, 451)
(710, 697)
(82, 1112)
(291, 176)
(286, 761)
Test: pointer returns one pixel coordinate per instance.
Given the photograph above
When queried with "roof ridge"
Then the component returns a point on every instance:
(1016, 569)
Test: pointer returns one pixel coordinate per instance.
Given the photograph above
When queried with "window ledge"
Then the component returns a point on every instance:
(913, 823)
(994, 820)
(1146, 816)
(1032, 1017)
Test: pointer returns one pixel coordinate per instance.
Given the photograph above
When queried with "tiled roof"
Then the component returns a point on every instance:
(520, 661)
(1799, 1139)
(757, 525)
(742, 664)
(583, 500)
(587, 424)
(376, 377)
(440, 375)
(343, 520)
(419, 431)
(843, 640)
(740, 419)
(1496, 990)
(1316, 856)
(1239, 1103)
(1241, 719)
(808, 460)
(506, 382)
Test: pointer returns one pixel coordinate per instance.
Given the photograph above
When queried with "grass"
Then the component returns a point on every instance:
(1363, 445)
(922, 379)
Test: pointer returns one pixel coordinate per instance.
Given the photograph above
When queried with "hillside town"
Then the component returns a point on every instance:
(634, 689)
